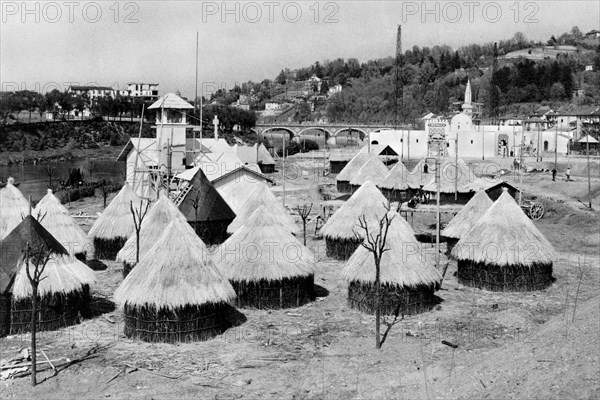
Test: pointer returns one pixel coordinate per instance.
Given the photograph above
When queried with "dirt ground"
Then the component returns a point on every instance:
(510, 345)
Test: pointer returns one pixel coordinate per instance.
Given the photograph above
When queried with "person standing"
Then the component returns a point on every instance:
(568, 173)
(553, 174)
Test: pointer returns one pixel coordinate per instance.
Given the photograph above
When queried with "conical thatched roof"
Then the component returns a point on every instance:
(56, 219)
(353, 166)
(63, 273)
(13, 208)
(418, 178)
(367, 201)
(468, 216)
(263, 196)
(212, 206)
(403, 264)
(452, 175)
(154, 224)
(117, 221)
(263, 249)
(373, 170)
(176, 272)
(236, 195)
(397, 178)
(504, 235)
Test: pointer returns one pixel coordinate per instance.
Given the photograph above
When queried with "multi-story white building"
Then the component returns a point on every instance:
(148, 91)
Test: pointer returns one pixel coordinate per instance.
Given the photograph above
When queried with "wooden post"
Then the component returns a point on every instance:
(589, 173)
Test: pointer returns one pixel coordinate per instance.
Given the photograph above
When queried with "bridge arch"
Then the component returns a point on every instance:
(316, 128)
(350, 129)
(278, 128)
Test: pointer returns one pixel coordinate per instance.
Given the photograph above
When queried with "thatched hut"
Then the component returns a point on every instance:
(466, 218)
(115, 225)
(456, 183)
(395, 185)
(63, 291)
(373, 170)
(341, 229)
(262, 195)
(350, 170)
(153, 225)
(56, 219)
(204, 208)
(408, 279)
(175, 293)
(504, 251)
(266, 264)
(13, 207)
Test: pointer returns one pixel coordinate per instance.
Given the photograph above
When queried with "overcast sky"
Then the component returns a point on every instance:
(158, 43)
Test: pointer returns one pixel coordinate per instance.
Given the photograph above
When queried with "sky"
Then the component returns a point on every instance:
(46, 45)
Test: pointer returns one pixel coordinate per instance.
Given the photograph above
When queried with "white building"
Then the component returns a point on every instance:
(147, 91)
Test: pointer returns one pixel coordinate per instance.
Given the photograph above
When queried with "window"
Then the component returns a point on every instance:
(374, 142)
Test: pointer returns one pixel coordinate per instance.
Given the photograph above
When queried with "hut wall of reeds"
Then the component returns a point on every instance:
(408, 280)
(13, 208)
(212, 216)
(175, 293)
(395, 185)
(337, 166)
(64, 293)
(504, 251)
(266, 264)
(56, 219)
(341, 229)
(115, 225)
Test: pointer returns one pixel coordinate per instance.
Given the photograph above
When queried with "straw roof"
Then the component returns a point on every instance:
(403, 264)
(367, 201)
(263, 249)
(155, 223)
(353, 166)
(397, 178)
(174, 273)
(468, 216)
(56, 219)
(238, 193)
(62, 274)
(504, 235)
(373, 170)
(116, 220)
(418, 178)
(588, 138)
(262, 195)
(452, 175)
(13, 207)
(212, 207)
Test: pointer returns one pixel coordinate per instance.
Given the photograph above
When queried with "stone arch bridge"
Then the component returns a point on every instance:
(330, 130)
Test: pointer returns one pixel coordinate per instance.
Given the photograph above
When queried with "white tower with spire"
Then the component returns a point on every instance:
(467, 107)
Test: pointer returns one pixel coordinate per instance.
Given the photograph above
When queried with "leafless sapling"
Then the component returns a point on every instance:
(49, 169)
(196, 205)
(138, 215)
(304, 212)
(35, 264)
(374, 241)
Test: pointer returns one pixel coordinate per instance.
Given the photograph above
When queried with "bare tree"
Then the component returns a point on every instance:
(196, 205)
(374, 241)
(304, 212)
(138, 215)
(50, 172)
(38, 259)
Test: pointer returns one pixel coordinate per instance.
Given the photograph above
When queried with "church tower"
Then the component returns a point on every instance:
(467, 107)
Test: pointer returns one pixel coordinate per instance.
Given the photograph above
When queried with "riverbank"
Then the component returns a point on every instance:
(31, 157)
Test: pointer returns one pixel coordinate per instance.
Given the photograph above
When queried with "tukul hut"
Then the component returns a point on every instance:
(341, 229)
(262, 195)
(350, 170)
(504, 251)
(153, 225)
(175, 293)
(64, 288)
(56, 219)
(13, 208)
(266, 265)
(373, 170)
(395, 185)
(408, 280)
(115, 225)
(466, 218)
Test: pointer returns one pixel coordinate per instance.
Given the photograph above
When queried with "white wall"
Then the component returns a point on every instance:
(418, 141)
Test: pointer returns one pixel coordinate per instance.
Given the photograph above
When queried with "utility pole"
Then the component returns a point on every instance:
(556, 147)
(283, 168)
(456, 168)
(437, 227)
(589, 173)
(195, 107)
(521, 167)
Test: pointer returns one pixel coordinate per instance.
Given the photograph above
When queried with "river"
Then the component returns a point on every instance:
(34, 180)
